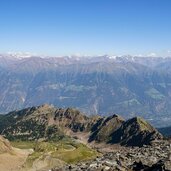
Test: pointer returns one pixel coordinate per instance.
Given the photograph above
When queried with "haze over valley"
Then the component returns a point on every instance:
(127, 85)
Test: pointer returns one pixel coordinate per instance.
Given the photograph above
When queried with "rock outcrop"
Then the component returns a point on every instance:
(5, 146)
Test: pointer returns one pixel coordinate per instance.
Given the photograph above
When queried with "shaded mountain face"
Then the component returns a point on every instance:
(104, 127)
(95, 85)
(135, 132)
(50, 123)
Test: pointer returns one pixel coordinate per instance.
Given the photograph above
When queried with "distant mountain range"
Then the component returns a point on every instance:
(127, 85)
(50, 123)
(166, 131)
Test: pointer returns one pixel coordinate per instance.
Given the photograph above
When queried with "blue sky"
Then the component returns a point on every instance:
(93, 27)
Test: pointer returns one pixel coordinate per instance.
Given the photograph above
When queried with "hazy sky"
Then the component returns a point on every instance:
(63, 27)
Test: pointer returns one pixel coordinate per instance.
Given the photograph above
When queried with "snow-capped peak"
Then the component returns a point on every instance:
(20, 55)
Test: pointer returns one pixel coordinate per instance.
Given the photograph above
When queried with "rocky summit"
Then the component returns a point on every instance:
(50, 123)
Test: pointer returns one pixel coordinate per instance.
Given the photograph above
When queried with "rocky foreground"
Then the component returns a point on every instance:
(156, 157)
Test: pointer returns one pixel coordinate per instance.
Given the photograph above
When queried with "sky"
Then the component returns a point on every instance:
(86, 27)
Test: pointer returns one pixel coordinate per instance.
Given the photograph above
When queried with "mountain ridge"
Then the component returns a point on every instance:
(50, 123)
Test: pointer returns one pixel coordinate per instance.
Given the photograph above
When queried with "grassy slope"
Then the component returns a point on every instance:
(67, 151)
